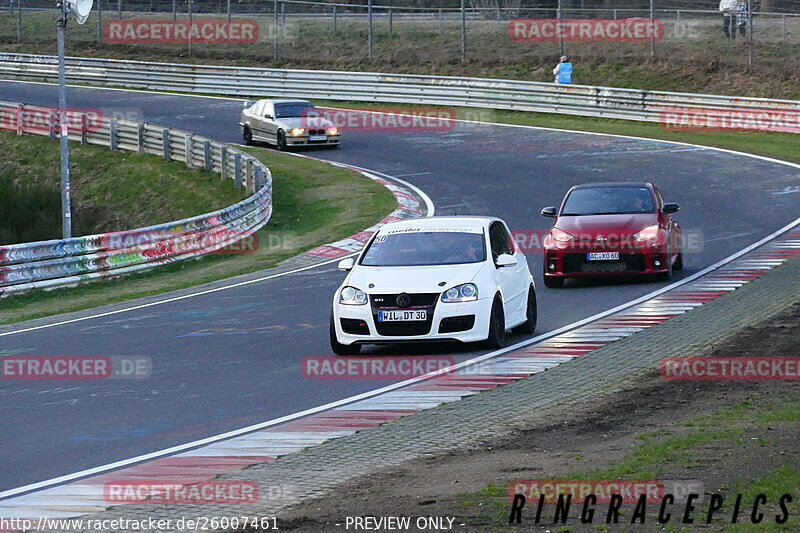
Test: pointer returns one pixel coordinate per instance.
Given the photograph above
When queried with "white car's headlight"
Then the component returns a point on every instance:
(297, 132)
(352, 296)
(467, 292)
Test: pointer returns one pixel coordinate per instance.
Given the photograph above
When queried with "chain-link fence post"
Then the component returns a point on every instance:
(463, 32)
(229, 12)
(174, 10)
(652, 34)
(369, 10)
(119, 9)
(752, 43)
(784, 28)
(559, 16)
(99, 22)
(191, 5)
(390, 22)
(334, 20)
(441, 22)
(19, 20)
(275, 31)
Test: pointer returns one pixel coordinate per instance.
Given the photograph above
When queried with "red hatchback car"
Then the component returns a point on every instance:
(612, 229)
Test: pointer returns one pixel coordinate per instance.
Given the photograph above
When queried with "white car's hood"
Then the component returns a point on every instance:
(418, 279)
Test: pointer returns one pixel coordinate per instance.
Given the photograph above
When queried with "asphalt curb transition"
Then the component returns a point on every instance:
(312, 472)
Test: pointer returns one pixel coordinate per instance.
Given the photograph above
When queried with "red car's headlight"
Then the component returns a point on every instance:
(650, 235)
(560, 235)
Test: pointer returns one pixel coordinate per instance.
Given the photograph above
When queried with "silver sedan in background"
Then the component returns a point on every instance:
(287, 122)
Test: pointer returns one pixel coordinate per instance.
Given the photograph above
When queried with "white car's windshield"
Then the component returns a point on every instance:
(295, 109)
(425, 248)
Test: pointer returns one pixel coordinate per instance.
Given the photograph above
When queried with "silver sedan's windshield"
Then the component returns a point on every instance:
(295, 109)
(425, 248)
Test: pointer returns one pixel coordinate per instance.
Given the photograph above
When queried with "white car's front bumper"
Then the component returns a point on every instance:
(376, 334)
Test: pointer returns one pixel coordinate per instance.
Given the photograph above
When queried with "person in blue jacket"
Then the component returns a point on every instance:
(563, 71)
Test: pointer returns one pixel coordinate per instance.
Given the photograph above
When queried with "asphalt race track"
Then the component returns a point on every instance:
(232, 358)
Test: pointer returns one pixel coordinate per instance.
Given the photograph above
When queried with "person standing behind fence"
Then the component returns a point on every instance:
(741, 16)
(563, 71)
(728, 9)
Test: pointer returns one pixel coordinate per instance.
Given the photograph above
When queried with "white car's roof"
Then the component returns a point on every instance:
(285, 100)
(450, 223)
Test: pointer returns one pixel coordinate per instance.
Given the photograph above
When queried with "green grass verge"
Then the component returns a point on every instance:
(109, 190)
(314, 203)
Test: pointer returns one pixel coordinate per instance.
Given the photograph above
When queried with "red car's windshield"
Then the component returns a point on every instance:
(608, 201)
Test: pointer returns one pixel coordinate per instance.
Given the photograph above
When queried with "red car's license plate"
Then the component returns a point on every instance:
(602, 256)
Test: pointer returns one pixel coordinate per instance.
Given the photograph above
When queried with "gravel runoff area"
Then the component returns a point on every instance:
(579, 415)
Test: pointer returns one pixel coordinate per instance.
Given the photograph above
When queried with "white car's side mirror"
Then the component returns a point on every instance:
(347, 264)
(505, 260)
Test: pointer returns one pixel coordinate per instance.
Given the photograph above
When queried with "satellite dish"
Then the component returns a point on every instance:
(81, 9)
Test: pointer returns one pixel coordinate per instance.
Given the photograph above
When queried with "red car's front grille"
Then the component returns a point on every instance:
(578, 262)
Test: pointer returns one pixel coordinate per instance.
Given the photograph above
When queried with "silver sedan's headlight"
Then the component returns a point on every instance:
(352, 296)
(467, 292)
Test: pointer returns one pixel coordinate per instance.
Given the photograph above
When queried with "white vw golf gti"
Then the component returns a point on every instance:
(434, 279)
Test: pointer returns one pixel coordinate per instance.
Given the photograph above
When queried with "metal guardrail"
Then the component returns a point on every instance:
(60, 262)
(608, 102)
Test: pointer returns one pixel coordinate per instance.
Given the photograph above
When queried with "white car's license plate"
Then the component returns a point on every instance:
(602, 256)
(317, 138)
(402, 315)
